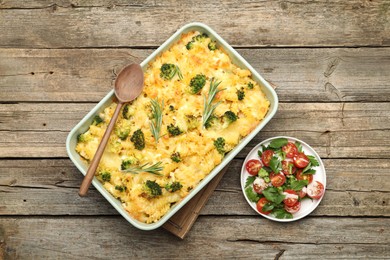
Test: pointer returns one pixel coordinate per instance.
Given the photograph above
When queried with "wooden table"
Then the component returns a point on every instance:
(330, 61)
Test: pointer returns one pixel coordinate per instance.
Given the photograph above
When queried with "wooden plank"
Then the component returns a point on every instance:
(265, 23)
(321, 117)
(5, 4)
(105, 237)
(61, 75)
(334, 130)
(49, 187)
(313, 75)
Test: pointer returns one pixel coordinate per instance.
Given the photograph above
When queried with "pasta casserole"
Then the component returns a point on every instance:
(196, 106)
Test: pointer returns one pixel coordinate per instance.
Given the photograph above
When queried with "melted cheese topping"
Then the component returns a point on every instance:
(195, 145)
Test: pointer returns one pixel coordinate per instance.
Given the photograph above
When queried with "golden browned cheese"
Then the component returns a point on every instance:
(184, 110)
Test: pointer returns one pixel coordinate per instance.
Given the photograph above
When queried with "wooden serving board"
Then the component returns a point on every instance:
(181, 223)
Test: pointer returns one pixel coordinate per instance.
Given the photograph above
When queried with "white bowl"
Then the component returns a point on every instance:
(307, 205)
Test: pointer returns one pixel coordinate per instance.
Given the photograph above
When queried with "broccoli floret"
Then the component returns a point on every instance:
(240, 94)
(122, 129)
(97, 120)
(168, 71)
(197, 38)
(84, 137)
(212, 45)
(122, 134)
(127, 112)
(176, 157)
(174, 186)
(219, 144)
(217, 123)
(138, 139)
(106, 176)
(200, 37)
(213, 122)
(250, 85)
(230, 117)
(190, 45)
(80, 138)
(197, 83)
(152, 189)
(126, 163)
(120, 188)
(173, 130)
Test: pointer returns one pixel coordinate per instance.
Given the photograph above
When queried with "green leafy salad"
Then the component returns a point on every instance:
(281, 177)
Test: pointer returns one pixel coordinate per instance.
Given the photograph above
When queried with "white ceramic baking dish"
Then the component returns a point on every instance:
(83, 125)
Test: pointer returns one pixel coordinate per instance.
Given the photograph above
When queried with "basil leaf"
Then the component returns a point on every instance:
(259, 153)
(313, 161)
(299, 146)
(281, 214)
(275, 164)
(249, 180)
(281, 154)
(272, 194)
(269, 147)
(252, 196)
(277, 143)
(307, 168)
(268, 207)
(298, 185)
(268, 169)
(311, 171)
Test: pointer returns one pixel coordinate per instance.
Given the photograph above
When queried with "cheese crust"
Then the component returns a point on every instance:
(182, 109)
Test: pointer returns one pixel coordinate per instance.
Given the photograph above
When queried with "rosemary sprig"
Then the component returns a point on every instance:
(178, 72)
(156, 122)
(154, 169)
(208, 107)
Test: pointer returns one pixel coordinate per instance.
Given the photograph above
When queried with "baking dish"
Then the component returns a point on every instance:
(83, 125)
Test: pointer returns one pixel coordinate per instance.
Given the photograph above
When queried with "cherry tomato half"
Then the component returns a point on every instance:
(260, 204)
(277, 180)
(292, 199)
(253, 166)
(301, 160)
(267, 156)
(302, 193)
(294, 208)
(290, 149)
(301, 176)
(286, 167)
(315, 190)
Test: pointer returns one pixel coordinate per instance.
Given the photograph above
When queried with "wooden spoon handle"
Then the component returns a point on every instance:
(99, 152)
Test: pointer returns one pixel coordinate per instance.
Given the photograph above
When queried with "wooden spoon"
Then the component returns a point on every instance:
(128, 86)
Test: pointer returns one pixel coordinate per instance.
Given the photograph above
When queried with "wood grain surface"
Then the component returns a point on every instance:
(330, 62)
(338, 130)
(73, 24)
(301, 74)
(227, 237)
